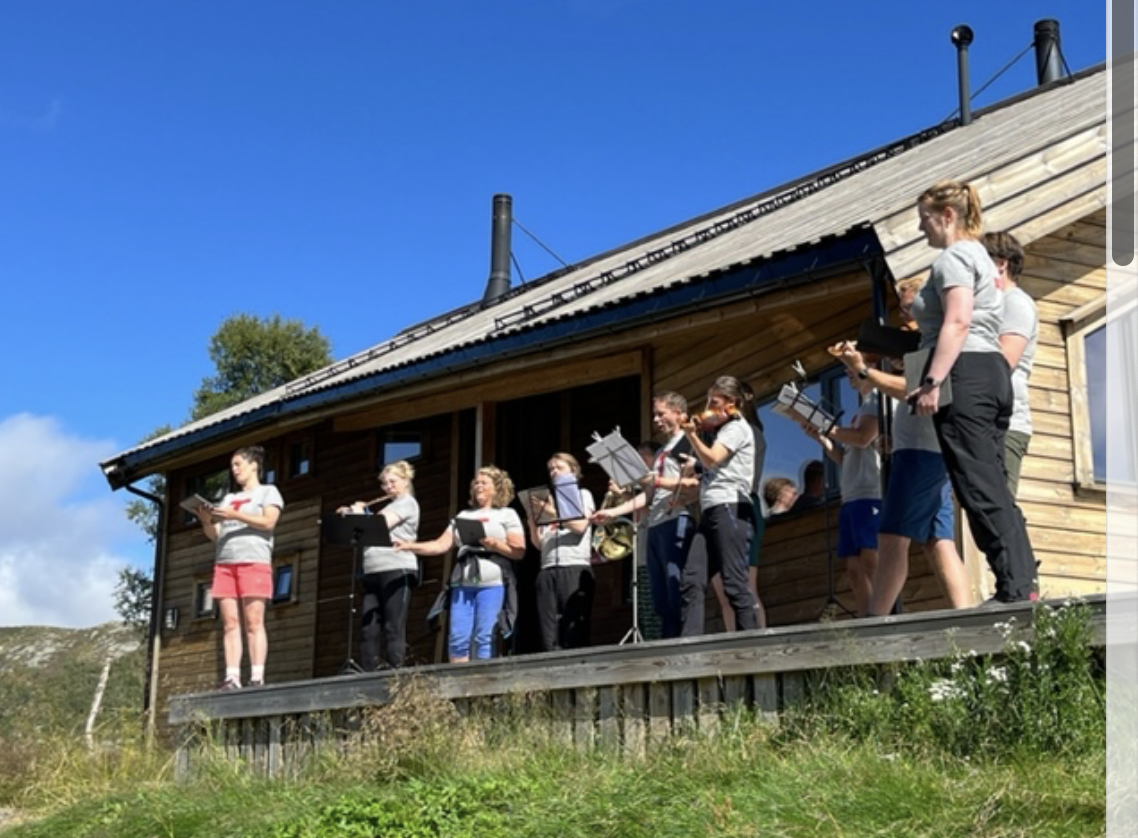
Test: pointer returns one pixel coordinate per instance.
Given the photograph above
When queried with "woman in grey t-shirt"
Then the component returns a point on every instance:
(241, 526)
(732, 461)
(959, 312)
(389, 574)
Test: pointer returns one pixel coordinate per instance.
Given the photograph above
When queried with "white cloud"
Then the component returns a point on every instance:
(63, 534)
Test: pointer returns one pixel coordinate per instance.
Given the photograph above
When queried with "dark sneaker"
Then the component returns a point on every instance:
(229, 685)
(256, 683)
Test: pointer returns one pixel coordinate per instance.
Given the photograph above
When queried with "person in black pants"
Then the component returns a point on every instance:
(730, 451)
(389, 574)
(565, 584)
(959, 312)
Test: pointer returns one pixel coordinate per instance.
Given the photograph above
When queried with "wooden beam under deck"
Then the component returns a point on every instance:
(926, 635)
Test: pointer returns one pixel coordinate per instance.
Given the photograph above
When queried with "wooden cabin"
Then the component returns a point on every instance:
(748, 290)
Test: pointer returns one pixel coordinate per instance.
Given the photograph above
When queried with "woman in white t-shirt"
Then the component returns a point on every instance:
(565, 583)
(242, 526)
(482, 589)
(389, 574)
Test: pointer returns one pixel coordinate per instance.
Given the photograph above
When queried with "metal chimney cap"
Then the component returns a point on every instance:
(962, 35)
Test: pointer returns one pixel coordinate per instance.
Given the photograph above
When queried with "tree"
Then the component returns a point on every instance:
(251, 355)
(143, 512)
(134, 593)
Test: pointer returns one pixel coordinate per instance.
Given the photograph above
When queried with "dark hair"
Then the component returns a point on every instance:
(741, 395)
(1004, 245)
(254, 454)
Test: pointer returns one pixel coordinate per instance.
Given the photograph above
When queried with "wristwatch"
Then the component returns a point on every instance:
(931, 382)
(863, 373)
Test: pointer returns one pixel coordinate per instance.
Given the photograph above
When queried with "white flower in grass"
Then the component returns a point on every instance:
(999, 674)
(944, 690)
(957, 667)
(1005, 629)
(1024, 646)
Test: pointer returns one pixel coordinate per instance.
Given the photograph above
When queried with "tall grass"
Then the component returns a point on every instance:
(974, 746)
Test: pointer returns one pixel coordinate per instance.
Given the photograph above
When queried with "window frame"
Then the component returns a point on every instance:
(289, 562)
(1077, 326)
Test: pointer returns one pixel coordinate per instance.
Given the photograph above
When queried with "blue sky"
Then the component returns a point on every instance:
(166, 165)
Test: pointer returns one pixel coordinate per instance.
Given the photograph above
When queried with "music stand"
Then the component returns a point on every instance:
(832, 603)
(633, 635)
(359, 531)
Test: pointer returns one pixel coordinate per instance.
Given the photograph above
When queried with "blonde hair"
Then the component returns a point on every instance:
(503, 485)
(569, 460)
(962, 198)
(401, 468)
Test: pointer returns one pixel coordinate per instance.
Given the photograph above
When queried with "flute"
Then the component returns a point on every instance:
(347, 510)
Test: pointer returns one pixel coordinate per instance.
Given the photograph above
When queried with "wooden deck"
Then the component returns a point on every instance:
(615, 696)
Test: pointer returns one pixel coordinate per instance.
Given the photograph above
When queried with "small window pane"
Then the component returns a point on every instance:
(400, 446)
(203, 600)
(282, 583)
(299, 460)
(1094, 348)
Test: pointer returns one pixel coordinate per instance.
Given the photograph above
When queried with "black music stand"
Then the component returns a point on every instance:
(359, 531)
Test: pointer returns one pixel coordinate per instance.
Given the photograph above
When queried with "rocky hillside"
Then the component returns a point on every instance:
(48, 676)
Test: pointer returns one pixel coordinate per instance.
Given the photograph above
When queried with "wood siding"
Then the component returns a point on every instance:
(557, 399)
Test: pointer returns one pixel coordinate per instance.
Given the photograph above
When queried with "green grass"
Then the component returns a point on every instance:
(1008, 746)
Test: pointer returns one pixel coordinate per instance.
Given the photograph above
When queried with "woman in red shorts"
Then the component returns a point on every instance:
(242, 527)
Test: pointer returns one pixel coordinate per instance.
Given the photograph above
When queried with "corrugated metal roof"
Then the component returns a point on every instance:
(878, 189)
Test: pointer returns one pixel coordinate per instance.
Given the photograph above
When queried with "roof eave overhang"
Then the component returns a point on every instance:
(785, 269)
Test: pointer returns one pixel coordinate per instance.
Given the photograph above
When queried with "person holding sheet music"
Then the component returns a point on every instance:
(732, 461)
(565, 585)
(242, 527)
(918, 498)
(958, 312)
(852, 448)
(483, 593)
(671, 527)
(389, 574)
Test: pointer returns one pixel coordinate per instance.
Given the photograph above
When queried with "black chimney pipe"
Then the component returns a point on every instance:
(962, 37)
(499, 282)
(1048, 56)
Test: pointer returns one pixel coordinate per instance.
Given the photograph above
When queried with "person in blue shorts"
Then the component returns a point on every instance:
(853, 449)
(918, 500)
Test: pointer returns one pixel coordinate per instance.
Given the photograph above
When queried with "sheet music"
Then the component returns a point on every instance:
(536, 503)
(797, 406)
(620, 460)
(567, 498)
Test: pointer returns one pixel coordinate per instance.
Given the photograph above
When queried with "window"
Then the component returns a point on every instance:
(399, 445)
(284, 587)
(212, 486)
(1098, 347)
(788, 448)
(270, 475)
(203, 600)
(300, 458)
